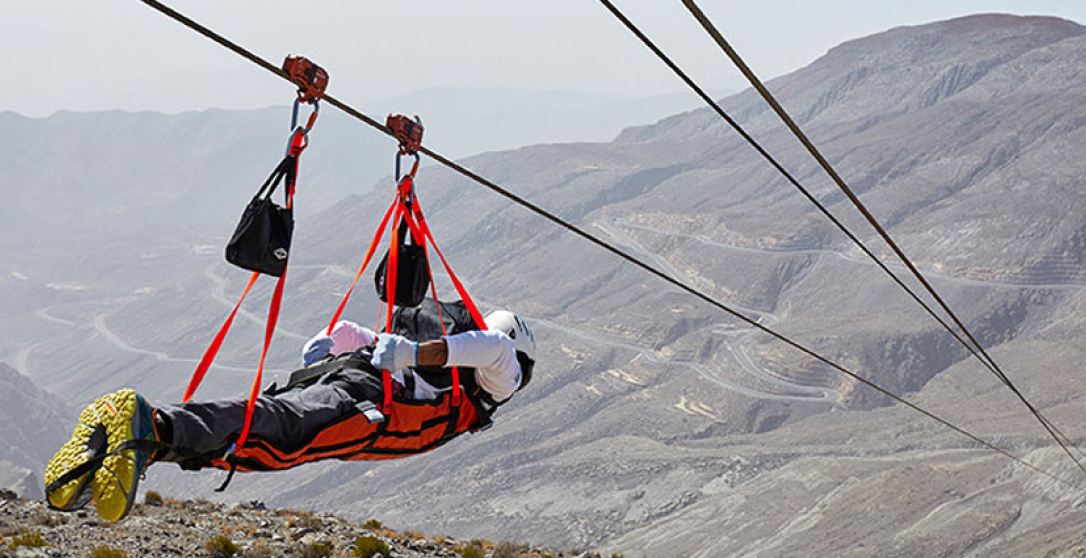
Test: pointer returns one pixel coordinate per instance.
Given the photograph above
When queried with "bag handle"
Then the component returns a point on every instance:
(286, 168)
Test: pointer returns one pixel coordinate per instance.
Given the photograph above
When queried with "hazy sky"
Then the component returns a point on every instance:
(99, 54)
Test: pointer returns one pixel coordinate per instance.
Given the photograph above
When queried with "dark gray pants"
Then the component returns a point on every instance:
(286, 420)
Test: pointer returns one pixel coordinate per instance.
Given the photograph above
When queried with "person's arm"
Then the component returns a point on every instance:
(493, 356)
(433, 353)
(490, 353)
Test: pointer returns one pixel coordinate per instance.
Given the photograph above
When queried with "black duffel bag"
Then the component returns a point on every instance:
(412, 272)
(261, 241)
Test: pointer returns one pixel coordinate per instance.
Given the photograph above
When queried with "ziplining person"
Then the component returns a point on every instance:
(437, 370)
(329, 410)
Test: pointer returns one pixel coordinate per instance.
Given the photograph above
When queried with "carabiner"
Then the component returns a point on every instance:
(414, 167)
(299, 136)
(312, 117)
(298, 142)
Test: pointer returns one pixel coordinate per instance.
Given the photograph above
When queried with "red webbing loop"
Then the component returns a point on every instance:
(269, 331)
(433, 293)
(365, 261)
(390, 295)
(393, 263)
(209, 355)
(416, 232)
(406, 188)
(298, 142)
(312, 120)
(464, 296)
(386, 387)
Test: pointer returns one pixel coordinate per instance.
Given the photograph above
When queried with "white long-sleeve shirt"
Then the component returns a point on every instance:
(490, 353)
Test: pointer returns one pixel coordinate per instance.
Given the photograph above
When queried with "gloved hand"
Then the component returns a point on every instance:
(316, 349)
(394, 352)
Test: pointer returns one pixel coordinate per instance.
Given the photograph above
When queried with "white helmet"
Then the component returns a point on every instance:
(517, 330)
(523, 339)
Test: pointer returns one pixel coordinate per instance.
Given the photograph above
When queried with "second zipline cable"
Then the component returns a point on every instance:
(1060, 438)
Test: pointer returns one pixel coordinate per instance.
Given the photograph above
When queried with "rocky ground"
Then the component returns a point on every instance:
(167, 527)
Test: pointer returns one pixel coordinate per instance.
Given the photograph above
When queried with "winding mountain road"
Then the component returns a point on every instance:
(852, 257)
(101, 327)
(736, 344)
(218, 293)
(781, 387)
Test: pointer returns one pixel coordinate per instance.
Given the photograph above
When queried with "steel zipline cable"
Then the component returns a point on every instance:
(195, 26)
(987, 359)
(784, 172)
(973, 347)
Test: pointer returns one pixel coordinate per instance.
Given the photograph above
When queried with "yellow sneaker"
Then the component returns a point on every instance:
(126, 416)
(87, 441)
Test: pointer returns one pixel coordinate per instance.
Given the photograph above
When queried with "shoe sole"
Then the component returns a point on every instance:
(75, 452)
(116, 481)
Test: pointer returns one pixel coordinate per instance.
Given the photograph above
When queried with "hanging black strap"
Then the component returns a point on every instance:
(230, 475)
(286, 168)
(354, 361)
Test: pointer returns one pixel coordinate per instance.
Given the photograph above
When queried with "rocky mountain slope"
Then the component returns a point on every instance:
(35, 423)
(167, 527)
(657, 425)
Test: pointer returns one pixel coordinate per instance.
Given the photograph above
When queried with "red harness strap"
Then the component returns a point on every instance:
(406, 208)
(417, 232)
(269, 331)
(390, 287)
(464, 296)
(209, 355)
(365, 262)
(298, 143)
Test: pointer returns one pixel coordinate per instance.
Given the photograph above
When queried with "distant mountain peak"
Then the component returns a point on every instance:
(987, 22)
(975, 29)
(899, 70)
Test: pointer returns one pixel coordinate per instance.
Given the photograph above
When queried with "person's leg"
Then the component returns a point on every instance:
(107, 423)
(286, 421)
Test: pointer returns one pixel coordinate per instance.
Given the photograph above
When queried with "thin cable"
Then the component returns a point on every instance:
(711, 29)
(987, 362)
(784, 172)
(601, 243)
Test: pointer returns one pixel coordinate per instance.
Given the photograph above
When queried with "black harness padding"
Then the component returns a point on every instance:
(412, 271)
(357, 360)
(421, 323)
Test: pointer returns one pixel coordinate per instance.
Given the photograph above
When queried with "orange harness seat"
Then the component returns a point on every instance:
(412, 427)
(404, 426)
